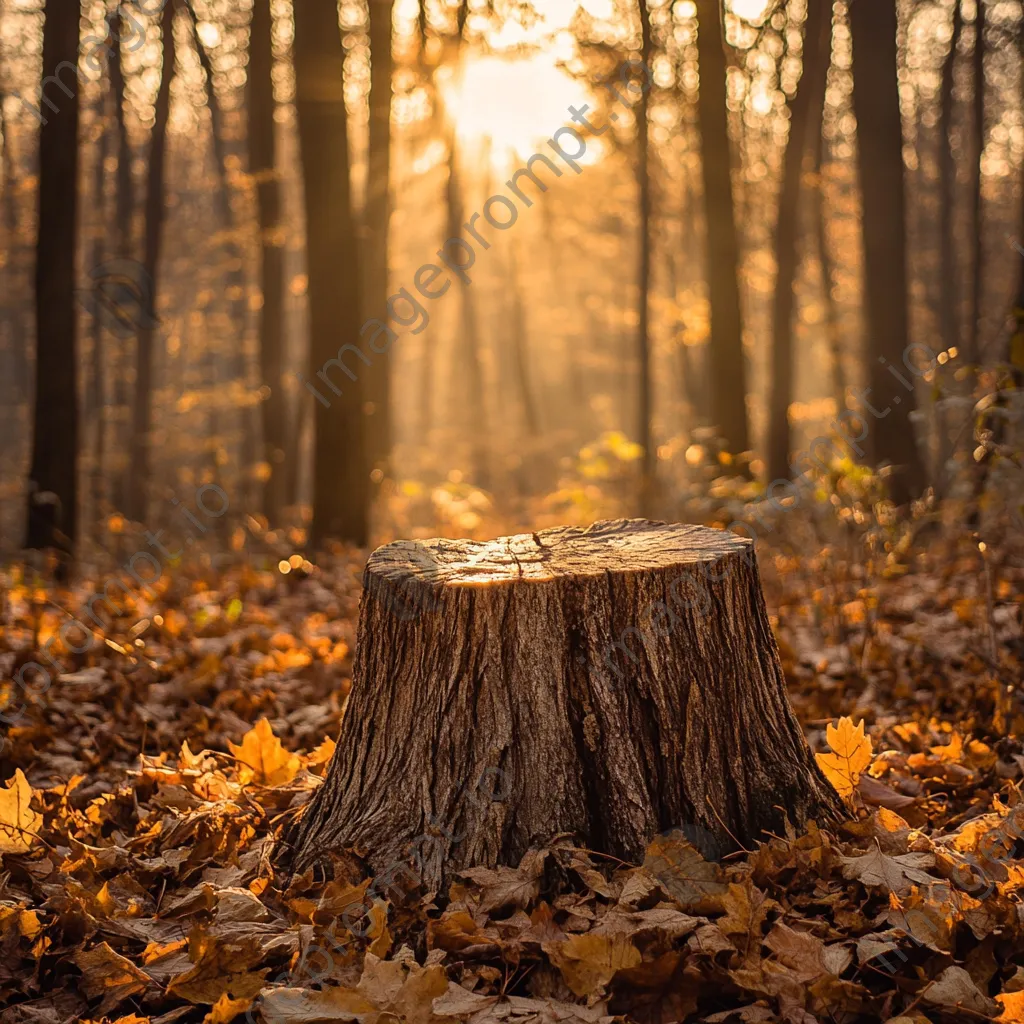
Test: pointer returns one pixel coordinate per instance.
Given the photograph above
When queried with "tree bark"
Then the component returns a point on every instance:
(876, 103)
(948, 313)
(124, 199)
(142, 421)
(341, 480)
(52, 485)
(263, 168)
(378, 212)
(645, 410)
(467, 348)
(608, 683)
(728, 373)
(828, 278)
(973, 355)
(804, 126)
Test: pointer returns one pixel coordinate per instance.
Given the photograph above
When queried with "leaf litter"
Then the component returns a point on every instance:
(144, 799)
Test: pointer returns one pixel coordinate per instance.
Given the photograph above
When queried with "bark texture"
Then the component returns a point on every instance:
(609, 683)
(880, 170)
(263, 167)
(341, 478)
(52, 515)
(728, 367)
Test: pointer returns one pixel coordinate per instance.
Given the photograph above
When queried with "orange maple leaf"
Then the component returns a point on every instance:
(850, 757)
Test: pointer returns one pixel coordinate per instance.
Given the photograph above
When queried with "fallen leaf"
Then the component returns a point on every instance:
(263, 759)
(589, 962)
(1012, 1004)
(108, 974)
(305, 1006)
(851, 755)
(954, 987)
(895, 874)
(19, 824)
(226, 1009)
(692, 881)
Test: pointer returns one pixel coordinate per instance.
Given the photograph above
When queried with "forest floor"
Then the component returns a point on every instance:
(138, 877)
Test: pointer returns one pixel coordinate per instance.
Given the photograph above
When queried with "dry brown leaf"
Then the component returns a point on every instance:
(589, 962)
(850, 757)
(954, 987)
(19, 824)
(692, 881)
(220, 967)
(402, 986)
(108, 974)
(306, 1006)
(509, 887)
(894, 874)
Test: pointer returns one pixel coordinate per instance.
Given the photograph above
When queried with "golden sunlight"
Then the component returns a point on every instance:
(749, 10)
(512, 104)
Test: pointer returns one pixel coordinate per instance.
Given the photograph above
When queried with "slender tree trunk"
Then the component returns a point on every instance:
(948, 312)
(645, 411)
(52, 484)
(517, 328)
(98, 377)
(973, 354)
(340, 477)
(804, 129)
(949, 285)
(378, 212)
(728, 373)
(880, 170)
(262, 136)
(125, 243)
(421, 28)
(142, 420)
(9, 208)
(828, 279)
(1015, 353)
(467, 347)
(237, 365)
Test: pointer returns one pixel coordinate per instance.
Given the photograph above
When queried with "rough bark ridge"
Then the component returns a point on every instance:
(610, 683)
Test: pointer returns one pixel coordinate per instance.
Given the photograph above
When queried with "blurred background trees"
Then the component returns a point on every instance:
(803, 222)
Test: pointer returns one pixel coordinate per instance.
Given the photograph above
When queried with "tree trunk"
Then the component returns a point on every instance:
(238, 364)
(948, 302)
(828, 278)
(728, 373)
(948, 312)
(124, 199)
(467, 342)
(973, 355)
(804, 127)
(378, 212)
(876, 103)
(142, 421)
(520, 353)
(263, 168)
(52, 484)
(341, 481)
(649, 466)
(504, 668)
(97, 403)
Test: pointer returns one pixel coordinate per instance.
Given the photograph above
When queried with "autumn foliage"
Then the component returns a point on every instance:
(140, 836)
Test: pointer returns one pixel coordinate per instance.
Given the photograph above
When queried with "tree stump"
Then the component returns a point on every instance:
(608, 683)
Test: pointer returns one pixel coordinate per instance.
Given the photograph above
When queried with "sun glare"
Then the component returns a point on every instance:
(512, 104)
(749, 10)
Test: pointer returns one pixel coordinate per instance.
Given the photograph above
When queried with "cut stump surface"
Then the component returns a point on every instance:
(609, 683)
